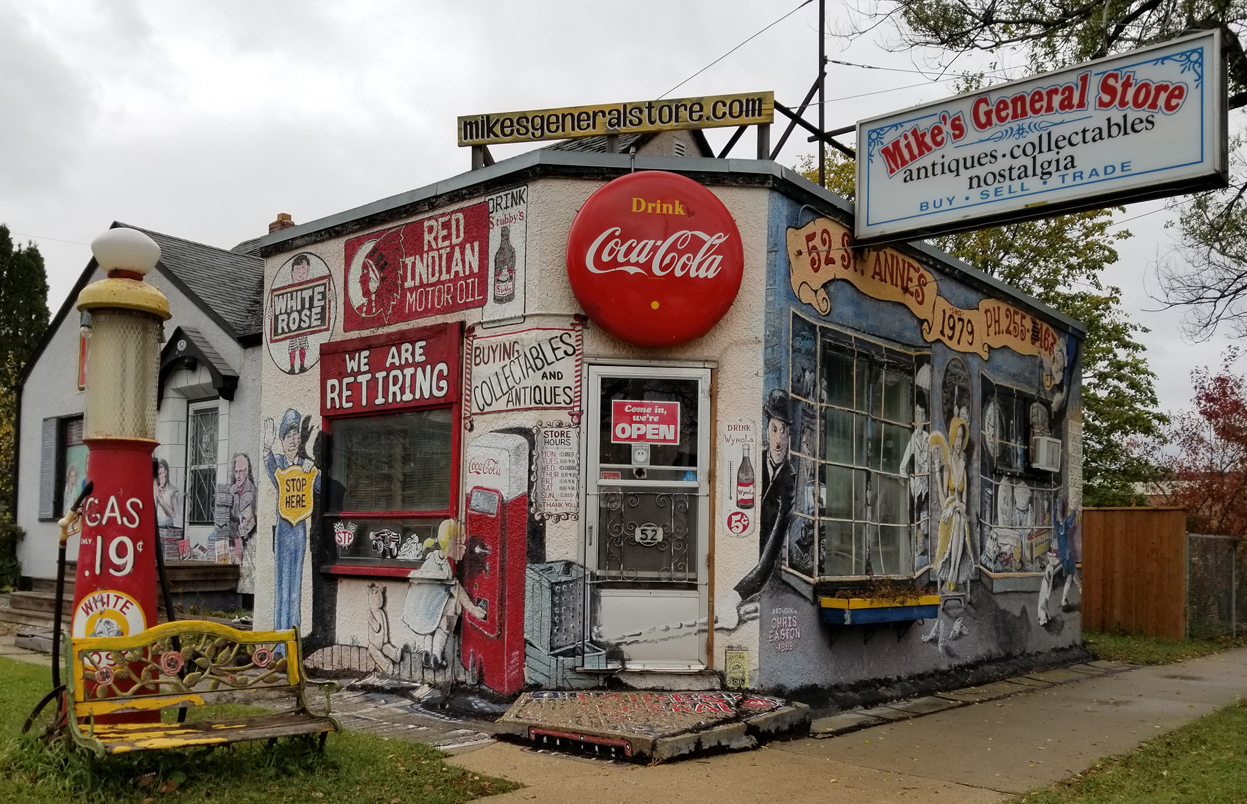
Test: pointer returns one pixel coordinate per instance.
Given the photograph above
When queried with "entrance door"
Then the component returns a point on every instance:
(648, 514)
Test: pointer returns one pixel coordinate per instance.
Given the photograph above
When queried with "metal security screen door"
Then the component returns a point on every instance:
(648, 514)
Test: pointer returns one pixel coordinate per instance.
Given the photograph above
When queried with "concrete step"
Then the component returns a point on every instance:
(35, 621)
(48, 585)
(36, 639)
(43, 603)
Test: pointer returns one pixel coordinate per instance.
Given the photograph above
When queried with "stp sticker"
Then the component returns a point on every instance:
(654, 258)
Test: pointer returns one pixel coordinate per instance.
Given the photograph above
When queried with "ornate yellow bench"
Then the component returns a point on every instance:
(190, 664)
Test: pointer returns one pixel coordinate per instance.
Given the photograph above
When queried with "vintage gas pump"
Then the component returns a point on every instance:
(495, 560)
(115, 588)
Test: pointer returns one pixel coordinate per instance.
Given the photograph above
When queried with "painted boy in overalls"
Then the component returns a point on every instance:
(297, 482)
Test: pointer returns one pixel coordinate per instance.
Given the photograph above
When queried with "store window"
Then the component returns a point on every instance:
(392, 458)
(1016, 513)
(860, 438)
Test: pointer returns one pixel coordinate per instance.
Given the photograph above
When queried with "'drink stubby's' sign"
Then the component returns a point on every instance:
(396, 371)
(1145, 124)
(654, 258)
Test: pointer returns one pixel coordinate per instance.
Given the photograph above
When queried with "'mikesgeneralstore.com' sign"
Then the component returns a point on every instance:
(1145, 124)
(618, 118)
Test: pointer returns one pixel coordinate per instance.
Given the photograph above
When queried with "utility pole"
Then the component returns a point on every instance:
(822, 73)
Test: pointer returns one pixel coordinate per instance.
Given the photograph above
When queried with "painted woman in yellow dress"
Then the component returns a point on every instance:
(954, 533)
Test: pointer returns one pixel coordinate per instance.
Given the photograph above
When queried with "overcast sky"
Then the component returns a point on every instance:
(204, 120)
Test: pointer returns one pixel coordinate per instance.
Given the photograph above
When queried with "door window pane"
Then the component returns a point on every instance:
(648, 389)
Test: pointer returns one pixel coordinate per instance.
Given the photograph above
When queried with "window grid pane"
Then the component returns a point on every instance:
(867, 420)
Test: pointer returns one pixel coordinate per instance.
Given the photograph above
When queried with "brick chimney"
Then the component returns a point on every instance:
(283, 222)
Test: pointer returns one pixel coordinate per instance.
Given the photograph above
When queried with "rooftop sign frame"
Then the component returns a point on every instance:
(1146, 124)
(672, 114)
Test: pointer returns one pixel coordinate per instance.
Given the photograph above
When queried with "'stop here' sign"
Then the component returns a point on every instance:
(1146, 124)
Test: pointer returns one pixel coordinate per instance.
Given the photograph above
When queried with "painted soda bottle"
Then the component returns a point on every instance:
(744, 480)
(504, 269)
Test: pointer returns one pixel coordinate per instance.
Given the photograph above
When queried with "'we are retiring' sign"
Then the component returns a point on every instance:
(1145, 124)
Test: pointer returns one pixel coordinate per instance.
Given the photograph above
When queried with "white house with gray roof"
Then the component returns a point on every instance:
(208, 427)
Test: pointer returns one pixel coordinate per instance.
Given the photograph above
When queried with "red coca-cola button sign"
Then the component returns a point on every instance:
(654, 259)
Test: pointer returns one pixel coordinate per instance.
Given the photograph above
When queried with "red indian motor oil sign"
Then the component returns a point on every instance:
(654, 258)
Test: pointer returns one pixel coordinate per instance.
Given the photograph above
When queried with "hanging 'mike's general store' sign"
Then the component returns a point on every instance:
(1145, 124)
(654, 258)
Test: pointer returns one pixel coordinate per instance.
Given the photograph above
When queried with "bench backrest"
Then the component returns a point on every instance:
(183, 663)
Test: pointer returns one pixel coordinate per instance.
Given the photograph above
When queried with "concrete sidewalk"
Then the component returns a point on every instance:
(985, 752)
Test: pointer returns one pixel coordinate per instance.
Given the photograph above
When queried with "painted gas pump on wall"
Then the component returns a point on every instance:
(495, 559)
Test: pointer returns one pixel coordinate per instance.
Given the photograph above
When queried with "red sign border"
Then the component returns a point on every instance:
(452, 330)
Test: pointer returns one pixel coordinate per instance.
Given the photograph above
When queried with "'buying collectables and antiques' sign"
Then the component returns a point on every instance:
(1145, 124)
(395, 371)
(532, 369)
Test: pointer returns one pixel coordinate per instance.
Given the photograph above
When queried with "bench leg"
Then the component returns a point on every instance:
(324, 735)
(272, 741)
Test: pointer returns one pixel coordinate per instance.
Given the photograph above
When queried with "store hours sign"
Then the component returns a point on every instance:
(1146, 124)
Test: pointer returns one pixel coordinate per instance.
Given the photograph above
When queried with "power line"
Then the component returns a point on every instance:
(733, 50)
(53, 239)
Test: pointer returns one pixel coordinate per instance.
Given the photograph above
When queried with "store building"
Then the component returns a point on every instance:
(577, 414)
(209, 398)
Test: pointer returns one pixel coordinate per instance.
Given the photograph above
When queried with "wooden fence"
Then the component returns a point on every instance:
(1134, 571)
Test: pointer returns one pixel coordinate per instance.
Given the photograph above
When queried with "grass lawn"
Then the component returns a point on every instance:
(354, 768)
(1204, 761)
(1154, 650)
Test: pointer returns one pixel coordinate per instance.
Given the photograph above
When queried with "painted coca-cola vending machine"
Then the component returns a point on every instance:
(495, 560)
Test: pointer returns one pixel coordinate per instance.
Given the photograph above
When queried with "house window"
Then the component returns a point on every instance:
(1017, 502)
(73, 463)
(860, 506)
(201, 463)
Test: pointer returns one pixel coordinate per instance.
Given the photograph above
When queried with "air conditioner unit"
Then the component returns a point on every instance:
(1046, 453)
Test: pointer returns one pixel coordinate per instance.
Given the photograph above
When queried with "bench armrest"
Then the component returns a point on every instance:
(326, 688)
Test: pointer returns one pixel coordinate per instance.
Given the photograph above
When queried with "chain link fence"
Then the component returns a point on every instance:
(1216, 586)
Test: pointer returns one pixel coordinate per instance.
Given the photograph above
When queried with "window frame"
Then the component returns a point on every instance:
(61, 461)
(993, 476)
(383, 567)
(883, 354)
(193, 407)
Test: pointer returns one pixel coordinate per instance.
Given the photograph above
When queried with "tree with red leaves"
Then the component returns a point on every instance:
(1207, 458)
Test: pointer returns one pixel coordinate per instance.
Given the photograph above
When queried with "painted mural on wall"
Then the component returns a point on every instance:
(469, 257)
(822, 251)
(241, 520)
(895, 478)
(739, 487)
(289, 446)
(299, 312)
